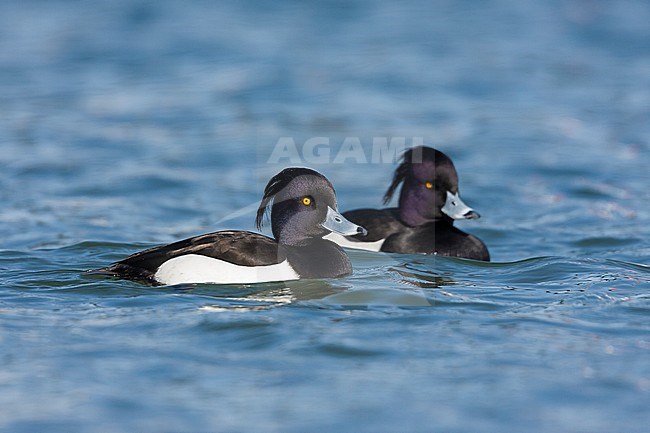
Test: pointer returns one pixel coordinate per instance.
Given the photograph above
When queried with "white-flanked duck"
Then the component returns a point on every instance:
(423, 222)
(303, 210)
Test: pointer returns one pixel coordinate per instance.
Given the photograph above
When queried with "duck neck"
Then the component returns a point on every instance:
(410, 211)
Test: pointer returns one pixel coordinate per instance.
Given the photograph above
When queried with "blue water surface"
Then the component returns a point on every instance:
(126, 124)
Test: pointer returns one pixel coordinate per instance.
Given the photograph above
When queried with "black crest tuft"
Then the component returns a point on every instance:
(412, 156)
(277, 184)
(400, 173)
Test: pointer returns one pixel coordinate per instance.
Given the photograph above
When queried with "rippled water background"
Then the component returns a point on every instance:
(128, 124)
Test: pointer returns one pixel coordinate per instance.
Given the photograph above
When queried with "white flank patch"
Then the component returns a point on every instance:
(196, 268)
(346, 243)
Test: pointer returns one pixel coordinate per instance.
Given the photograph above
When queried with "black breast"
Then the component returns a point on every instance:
(439, 238)
(319, 258)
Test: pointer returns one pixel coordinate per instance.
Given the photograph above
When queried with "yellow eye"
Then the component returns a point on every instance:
(306, 201)
(428, 185)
